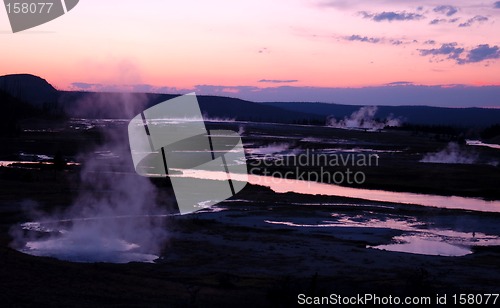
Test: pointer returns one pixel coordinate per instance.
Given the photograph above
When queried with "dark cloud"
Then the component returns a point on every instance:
(461, 56)
(143, 88)
(82, 85)
(449, 49)
(399, 83)
(442, 20)
(496, 5)
(99, 87)
(264, 50)
(137, 88)
(391, 16)
(481, 53)
(278, 80)
(475, 19)
(373, 40)
(396, 42)
(366, 39)
(437, 21)
(430, 42)
(448, 10)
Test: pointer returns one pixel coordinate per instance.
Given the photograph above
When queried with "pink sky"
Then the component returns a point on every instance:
(260, 43)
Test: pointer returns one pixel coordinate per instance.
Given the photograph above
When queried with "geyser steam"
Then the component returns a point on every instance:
(114, 218)
(452, 154)
(364, 118)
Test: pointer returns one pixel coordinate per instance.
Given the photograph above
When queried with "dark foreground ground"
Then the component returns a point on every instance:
(238, 257)
(233, 257)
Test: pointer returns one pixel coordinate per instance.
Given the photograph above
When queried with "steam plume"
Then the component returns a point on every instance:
(114, 218)
(364, 118)
(452, 154)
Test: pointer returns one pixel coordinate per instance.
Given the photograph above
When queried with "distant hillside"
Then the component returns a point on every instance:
(120, 105)
(29, 88)
(39, 93)
(12, 111)
(13, 108)
(225, 107)
(422, 115)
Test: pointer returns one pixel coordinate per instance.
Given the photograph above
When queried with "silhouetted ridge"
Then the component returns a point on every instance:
(119, 105)
(423, 115)
(39, 93)
(29, 88)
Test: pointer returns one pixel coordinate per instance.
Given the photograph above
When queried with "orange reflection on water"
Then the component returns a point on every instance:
(280, 185)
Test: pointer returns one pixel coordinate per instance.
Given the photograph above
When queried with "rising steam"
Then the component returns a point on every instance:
(364, 118)
(452, 154)
(114, 218)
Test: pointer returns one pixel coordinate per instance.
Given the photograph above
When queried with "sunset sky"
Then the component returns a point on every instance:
(266, 49)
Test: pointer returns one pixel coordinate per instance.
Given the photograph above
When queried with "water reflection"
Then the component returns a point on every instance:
(482, 144)
(82, 250)
(417, 238)
(418, 245)
(281, 185)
